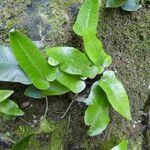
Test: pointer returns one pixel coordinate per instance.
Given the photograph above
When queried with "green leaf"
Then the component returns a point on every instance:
(4, 94)
(31, 60)
(71, 82)
(8, 117)
(87, 17)
(55, 89)
(9, 107)
(23, 144)
(33, 92)
(97, 113)
(71, 61)
(122, 146)
(115, 3)
(116, 93)
(9, 68)
(46, 126)
(131, 5)
(95, 51)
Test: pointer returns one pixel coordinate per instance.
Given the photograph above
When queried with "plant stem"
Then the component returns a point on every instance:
(25, 121)
(67, 110)
(46, 109)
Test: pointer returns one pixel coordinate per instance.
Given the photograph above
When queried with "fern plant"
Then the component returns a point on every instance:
(65, 69)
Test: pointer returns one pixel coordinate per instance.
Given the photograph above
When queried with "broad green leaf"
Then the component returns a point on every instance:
(115, 3)
(9, 107)
(71, 61)
(122, 146)
(4, 94)
(23, 144)
(97, 113)
(131, 5)
(55, 89)
(31, 60)
(71, 82)
(33, 92)
(9, 68)
(94, 49)
(87, 17)
(116, 93)
(46, 126)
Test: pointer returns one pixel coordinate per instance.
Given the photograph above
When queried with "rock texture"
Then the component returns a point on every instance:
(126, 37)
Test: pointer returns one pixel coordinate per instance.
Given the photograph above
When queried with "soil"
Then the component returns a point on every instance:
(126, 37)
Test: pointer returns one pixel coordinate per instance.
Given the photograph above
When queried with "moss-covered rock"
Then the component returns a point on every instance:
(125, 36)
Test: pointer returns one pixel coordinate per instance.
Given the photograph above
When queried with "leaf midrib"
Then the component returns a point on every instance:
(95, 118)
(30, 59)
(88, 15)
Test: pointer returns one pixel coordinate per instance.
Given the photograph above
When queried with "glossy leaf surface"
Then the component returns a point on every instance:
(97, 113)
(71, 82)
(122, 146)
(4, 94)
(31, 60)
(116, 93)
(131, 5)
(55, 89)
(33, 92)
(71, 61)
(9, 68)
(87, 17)
(9, 107)
(115, 3)
(95, 51)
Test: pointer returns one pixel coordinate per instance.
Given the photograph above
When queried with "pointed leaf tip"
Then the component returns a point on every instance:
(122, 146)
(116, 93)
(4, 94)
(31, 60)
(87, 17)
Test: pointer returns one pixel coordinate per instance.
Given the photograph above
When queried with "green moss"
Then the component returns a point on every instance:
(53, 140)
(125, 36)
(137, 144)
(43, 19)
(104, 144)
(27, 2)
(58, 136)
(107, 145)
